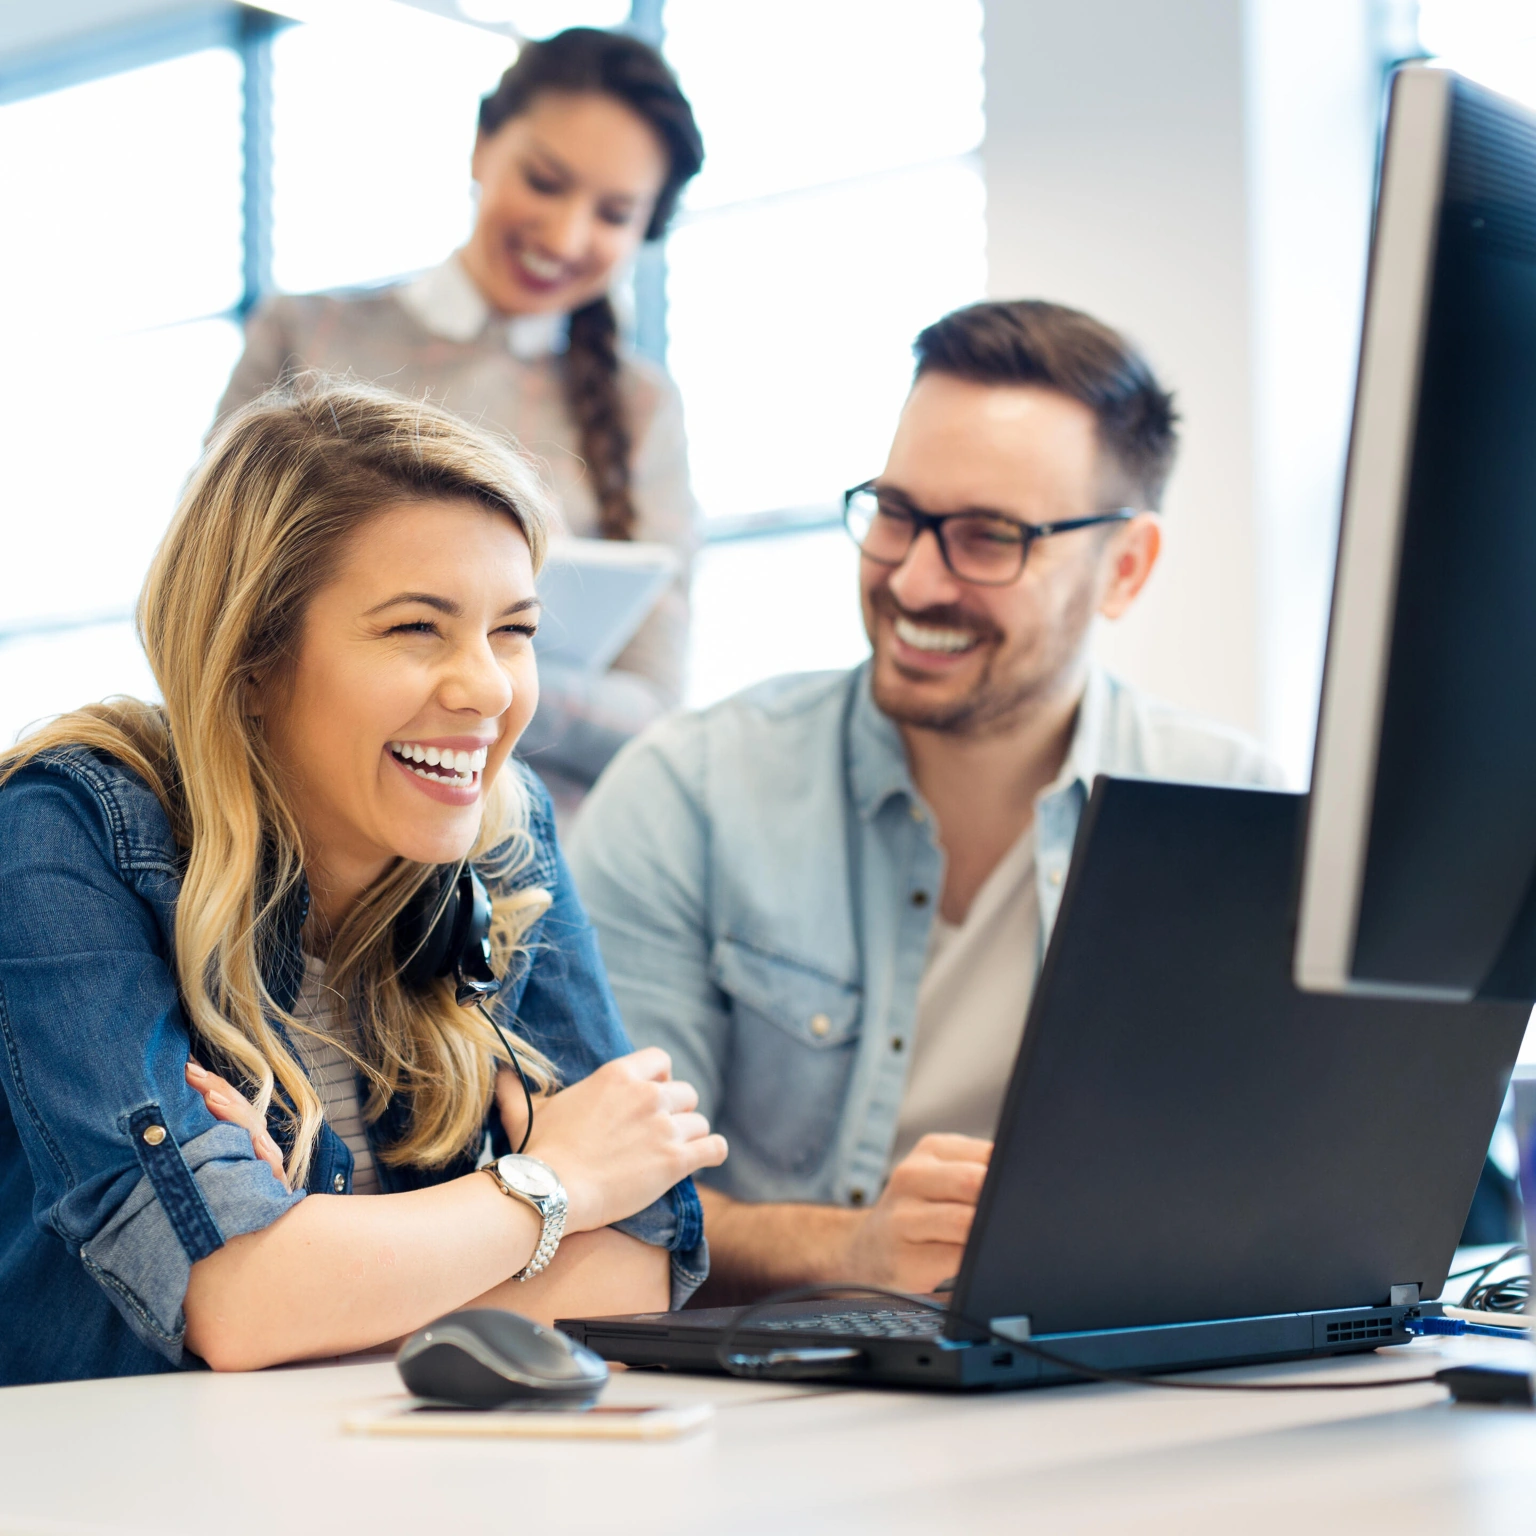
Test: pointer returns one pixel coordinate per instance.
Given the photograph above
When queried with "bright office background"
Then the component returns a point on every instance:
(1198, 172)
(121, 307)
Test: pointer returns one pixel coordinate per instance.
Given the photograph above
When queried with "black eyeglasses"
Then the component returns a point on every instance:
(984, 548)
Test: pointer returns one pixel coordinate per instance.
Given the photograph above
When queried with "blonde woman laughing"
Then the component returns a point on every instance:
(245, 1117)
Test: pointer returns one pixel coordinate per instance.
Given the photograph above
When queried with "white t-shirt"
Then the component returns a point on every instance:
(331, 1072)
(977, 981)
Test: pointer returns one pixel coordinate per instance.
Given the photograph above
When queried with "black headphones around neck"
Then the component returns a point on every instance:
(446, 931)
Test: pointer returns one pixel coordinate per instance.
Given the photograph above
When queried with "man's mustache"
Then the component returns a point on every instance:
(944, 616)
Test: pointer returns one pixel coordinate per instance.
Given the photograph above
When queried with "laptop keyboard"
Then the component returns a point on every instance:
(865, 1325)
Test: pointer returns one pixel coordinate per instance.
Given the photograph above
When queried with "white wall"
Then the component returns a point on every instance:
(1315, 99)
(1198, 173)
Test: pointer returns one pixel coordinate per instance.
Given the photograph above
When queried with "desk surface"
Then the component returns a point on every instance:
(256, 1453)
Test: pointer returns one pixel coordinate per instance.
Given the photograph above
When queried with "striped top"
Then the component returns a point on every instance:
(332, 1074)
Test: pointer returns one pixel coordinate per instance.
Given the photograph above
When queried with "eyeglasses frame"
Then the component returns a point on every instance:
(926, 522)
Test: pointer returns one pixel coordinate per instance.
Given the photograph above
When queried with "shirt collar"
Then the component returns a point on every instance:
(878, 760)
(1085, 755)
(445, 300)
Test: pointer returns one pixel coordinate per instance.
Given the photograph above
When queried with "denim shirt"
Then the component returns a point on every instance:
(114, 1177)
(763, 876)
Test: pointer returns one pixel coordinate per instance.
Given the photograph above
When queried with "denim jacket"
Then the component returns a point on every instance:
(114, 1177)
(763, 876)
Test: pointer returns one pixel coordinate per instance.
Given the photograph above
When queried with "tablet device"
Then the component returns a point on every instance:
(596, 593)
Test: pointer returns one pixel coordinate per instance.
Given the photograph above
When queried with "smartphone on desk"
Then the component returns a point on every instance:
(642, 1421)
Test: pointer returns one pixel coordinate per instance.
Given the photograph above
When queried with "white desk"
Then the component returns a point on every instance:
(265, 1454)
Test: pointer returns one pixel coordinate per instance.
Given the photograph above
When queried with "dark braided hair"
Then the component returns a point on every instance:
(585, 59)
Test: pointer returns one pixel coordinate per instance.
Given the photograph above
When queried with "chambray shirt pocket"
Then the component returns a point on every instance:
(794, 1038)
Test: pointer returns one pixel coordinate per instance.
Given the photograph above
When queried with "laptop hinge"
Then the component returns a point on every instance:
(1404, 1296)
(1015, 1328)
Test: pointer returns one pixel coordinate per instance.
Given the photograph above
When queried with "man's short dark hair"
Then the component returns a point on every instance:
(1027, 341)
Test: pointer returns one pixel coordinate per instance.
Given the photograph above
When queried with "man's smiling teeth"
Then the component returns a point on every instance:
(922, 638)
(440, 765)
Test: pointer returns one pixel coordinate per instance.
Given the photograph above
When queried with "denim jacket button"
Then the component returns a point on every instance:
(154, 1135)
(820, 1024)
(339, 1183)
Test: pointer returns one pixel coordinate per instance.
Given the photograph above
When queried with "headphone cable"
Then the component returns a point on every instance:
(517, 1067)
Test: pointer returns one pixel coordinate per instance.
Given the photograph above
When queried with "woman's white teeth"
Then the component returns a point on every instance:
(453, 767)
(541, 267)
(921, 638)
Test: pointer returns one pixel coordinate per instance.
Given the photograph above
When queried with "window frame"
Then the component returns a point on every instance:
(245, 31)
(249, 32)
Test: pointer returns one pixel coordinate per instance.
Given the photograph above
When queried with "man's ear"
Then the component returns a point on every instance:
(1127, 562)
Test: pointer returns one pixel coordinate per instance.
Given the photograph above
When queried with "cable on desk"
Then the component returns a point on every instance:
(761, 1366)
(1508, 1295)
(1505, 1295)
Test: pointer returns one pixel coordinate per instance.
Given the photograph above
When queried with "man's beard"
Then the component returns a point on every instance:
(992, 705)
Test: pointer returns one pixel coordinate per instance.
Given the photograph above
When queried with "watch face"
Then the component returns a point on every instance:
(529, 1176)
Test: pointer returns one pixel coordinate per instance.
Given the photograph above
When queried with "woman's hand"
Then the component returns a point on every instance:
(230, 1105)
(622, 1137)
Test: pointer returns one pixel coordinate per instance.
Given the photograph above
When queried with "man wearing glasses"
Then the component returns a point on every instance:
(828, 897)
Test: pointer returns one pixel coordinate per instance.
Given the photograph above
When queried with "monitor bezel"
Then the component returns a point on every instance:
(1403, 251)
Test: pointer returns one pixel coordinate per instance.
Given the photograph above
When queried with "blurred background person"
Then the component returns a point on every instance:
(582, 151)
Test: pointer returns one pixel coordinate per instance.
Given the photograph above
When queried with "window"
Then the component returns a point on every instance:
(840, 210)
(119, 340)
(370, 152)
(1491, 41)
(121, 309)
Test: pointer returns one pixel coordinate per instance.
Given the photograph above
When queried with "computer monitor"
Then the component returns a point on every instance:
(1419, 875)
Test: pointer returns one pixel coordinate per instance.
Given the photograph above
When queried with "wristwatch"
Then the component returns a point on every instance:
(535, 1183)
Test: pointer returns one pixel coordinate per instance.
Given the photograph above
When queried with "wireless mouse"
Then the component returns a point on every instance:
(485, 1358)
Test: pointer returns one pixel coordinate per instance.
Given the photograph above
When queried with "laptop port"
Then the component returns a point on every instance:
(1002, 1357)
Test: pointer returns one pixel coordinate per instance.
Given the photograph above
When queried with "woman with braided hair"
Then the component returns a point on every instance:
(582, 152)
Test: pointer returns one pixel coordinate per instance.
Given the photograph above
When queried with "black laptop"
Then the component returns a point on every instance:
(1196, 1164)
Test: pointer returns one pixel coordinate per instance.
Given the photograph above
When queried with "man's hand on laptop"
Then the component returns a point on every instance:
(913, 1236)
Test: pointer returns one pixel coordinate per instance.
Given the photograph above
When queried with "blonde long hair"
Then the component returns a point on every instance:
(283, 485)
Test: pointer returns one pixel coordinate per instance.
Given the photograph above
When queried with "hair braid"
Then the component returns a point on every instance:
(592, 396)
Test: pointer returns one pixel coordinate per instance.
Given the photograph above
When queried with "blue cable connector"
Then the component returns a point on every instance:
(1423, 1326)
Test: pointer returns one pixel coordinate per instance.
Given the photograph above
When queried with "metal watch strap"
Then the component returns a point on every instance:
(549, 1240)
(551, 1212)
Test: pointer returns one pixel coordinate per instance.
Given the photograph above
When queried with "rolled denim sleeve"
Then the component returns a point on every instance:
(130, 1170)
(565, 1007)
